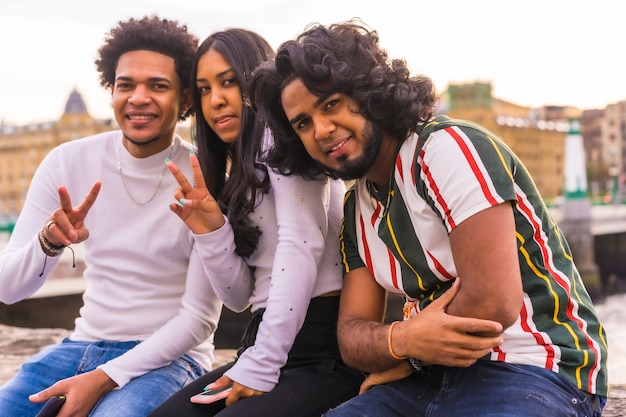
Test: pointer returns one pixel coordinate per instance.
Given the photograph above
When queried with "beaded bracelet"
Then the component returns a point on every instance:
(49, 248)
(389, 345)
(416, 365)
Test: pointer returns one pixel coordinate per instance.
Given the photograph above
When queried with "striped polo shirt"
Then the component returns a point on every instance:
(446, 171)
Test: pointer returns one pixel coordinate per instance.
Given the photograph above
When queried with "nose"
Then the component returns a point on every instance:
(217, 98)
(323, 128)
(140, 95)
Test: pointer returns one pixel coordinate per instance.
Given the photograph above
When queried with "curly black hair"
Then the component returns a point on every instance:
(340, 58)
(150, 33)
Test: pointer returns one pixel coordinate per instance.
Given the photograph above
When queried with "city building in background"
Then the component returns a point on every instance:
(22, 149)
(613, 139)
(596, 158)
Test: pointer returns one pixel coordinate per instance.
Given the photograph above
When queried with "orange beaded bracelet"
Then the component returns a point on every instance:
(389, 345)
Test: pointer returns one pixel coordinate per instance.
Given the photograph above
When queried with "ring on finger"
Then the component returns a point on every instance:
(49, 224)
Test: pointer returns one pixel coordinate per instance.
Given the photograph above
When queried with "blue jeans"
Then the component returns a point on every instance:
(486, 389)
(69, 358)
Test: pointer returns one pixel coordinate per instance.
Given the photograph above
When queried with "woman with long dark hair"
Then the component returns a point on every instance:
(267, 241)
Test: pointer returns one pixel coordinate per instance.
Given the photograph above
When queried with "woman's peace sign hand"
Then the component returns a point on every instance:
(196, 206)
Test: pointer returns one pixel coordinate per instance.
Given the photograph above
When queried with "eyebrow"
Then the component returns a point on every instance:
(219, 74)
(151, 79)
(316, 104)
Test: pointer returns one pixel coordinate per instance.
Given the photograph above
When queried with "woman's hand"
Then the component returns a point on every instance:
(401, 371)
(196, 206)
(238, 391)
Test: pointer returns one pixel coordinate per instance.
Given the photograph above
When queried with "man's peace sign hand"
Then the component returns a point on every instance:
(66, 225)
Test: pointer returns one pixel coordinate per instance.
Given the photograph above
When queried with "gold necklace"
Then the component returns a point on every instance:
(119, 168)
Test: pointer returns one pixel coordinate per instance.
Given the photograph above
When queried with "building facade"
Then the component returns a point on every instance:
(604, 135)
(613, 137)
(591, 123)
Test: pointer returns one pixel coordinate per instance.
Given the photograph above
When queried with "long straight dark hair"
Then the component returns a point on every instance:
(244, 50)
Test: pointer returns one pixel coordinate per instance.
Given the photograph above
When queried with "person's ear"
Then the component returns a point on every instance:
(186, 103)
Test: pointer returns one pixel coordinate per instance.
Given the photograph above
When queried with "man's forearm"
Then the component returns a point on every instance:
(364, 345)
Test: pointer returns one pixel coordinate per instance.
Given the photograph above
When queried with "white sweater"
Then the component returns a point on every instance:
(297, 258)
(144, 280)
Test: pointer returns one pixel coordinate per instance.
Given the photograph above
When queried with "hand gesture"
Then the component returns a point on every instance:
(197, 208)
(82, 392)
(435, 337)
(66, 224)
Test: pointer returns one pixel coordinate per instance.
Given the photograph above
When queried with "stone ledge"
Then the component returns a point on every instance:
(19, 343)
(616, 404)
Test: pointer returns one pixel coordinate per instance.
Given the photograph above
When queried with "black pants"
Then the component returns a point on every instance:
(313, 380)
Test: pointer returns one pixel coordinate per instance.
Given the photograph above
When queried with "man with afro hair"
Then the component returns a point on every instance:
(149, 314)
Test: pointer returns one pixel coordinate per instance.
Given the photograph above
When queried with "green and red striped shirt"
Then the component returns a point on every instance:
(445, 172)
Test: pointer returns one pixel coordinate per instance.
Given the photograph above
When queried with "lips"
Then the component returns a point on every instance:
(222, 120)
(336, 149)
(337, 146)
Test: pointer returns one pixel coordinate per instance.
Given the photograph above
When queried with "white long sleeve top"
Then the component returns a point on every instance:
(143, 279)
(297, 258)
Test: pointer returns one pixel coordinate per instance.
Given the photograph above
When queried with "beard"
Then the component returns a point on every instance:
(357, 168)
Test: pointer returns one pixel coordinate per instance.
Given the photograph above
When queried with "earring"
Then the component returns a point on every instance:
(246, 101)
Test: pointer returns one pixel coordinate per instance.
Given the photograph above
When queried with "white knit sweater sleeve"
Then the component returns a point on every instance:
(22, 261)
(229, 274)
(302, 215)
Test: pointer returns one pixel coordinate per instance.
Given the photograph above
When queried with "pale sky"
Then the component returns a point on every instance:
(534, 52)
